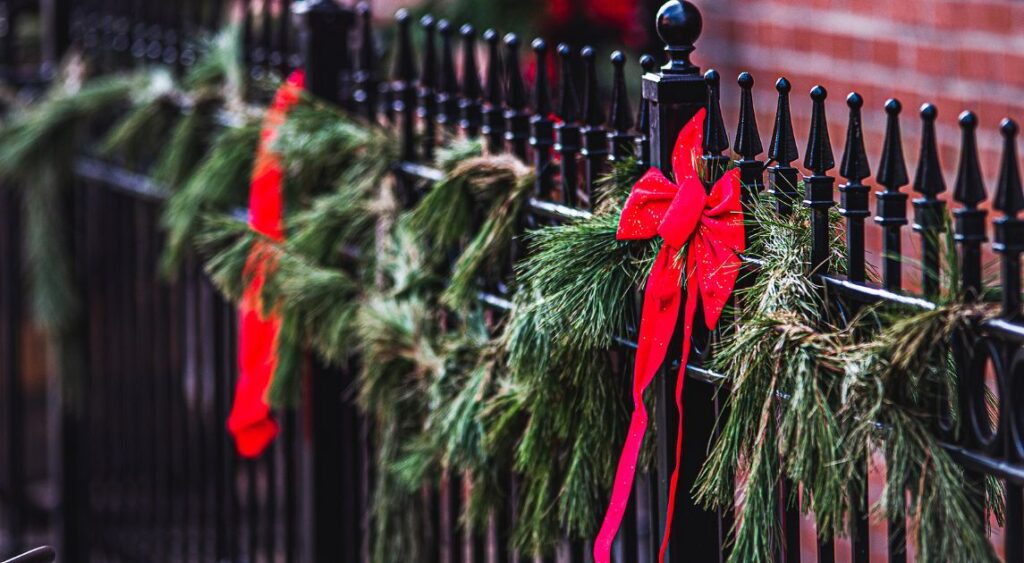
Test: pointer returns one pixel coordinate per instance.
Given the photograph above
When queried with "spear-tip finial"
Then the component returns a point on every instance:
(541, 90)
(516, 87)
(495, 76)
(818, 158)
(783, 149)
(593, 112)
(643, 112)
(471, 88)
(892, 168)
(970, 187)
(429, 78)
(449, 84)
(405, 66)
(855, 166)
(1009, 195)
(748, 139)
(716, 139)
(568, 107)
(928, 179)
(621, 116)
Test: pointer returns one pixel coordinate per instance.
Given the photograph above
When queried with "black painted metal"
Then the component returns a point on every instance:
(818, 196)
(541, 125)
(675, 94)
(567, 131)
(595, 137)
(517, 131)
(427, 110)
(366, 84)
(929, 211)
(748, 145)
(782, 176)
(494, 114)
(448, 87)
(403, 86)
(716, 138)
(643, 119)
(621, 142)
(891, 213)
(469, 102)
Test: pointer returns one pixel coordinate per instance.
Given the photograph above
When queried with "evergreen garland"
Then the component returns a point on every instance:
(782, 345)
(218, 183)
(563, 405)
(896, 382)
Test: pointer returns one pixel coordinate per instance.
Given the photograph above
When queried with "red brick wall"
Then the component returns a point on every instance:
(956, 54)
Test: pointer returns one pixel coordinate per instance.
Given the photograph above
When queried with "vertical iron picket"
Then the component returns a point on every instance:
(621, 141)
(969, 233)
(427, 110)
(403, 86)
(541, 126)
(891, 215)
(929, 211)
(366, 86)
(1009, 244)
(595, 141)
(715, 143)
(782, 176)
(854, 207)
(448, 86)
(493, 113)
(517, 118)
(643, 118)
(470, 108)
(818, 197)
(567, 130)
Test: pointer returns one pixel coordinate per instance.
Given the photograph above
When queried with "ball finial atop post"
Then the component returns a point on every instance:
(679, 24)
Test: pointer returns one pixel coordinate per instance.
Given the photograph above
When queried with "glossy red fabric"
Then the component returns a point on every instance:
(709, 228)
(250, 421)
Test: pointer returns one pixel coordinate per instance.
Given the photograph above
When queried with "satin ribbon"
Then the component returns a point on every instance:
(709, 227)
(250, 421)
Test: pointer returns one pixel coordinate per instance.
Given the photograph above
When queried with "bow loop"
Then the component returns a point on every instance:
(646, 206)
(689, 144)
(719, 244)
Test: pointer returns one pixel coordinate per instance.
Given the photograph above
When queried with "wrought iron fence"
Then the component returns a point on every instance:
(144, 468)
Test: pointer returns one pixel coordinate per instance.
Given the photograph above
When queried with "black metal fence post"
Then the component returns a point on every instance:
(332, 435)
(674, 94)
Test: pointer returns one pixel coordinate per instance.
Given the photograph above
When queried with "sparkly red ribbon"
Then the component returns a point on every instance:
(710, 228)
(250, 421)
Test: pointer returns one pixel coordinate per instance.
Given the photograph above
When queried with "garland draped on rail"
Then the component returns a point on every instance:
(540, 392)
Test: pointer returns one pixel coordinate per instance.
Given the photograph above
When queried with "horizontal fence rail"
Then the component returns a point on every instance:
(150, 474)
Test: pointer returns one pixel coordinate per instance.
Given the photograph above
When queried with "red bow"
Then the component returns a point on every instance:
(250, 421)
(709, 227)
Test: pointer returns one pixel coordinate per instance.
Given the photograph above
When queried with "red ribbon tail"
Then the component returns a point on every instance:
(623, 485)
(688, 315)
(250, 421)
